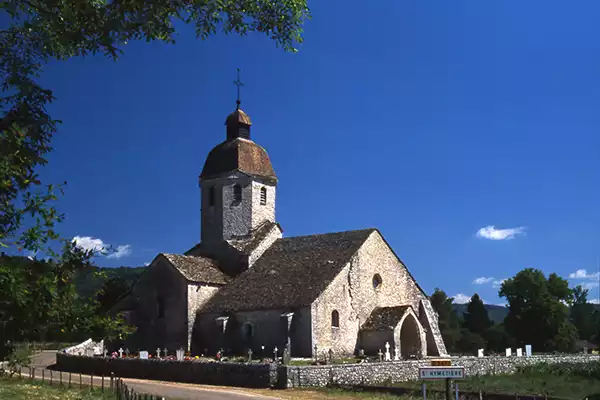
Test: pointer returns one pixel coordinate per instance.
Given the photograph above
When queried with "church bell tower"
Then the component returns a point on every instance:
(237, 184)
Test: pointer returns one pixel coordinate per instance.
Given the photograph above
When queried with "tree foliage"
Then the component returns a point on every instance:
(45, 30)
(583, 315)
(538, 311)
(38, 301)
(476, 319)
(447, 319)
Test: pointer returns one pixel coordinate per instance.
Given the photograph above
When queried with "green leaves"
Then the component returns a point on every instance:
(538, 311)
(38, 301)
(42, 30)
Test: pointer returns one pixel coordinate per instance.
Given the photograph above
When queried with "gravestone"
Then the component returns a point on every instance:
(104, 352)
(127, 352)
(120, 353)
(380, 354)
(396, 354)
(165, 352)
(158, 352)
(479, 352)
(249, 355)
(388, 356)
(330, 356)
(179, 354)
(143, 355)
(508, 352)
(528, 350)
(361, 352)
(519, 352)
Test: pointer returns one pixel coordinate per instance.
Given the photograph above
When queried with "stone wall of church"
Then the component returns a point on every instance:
(264, 212)
(228, 218)
(159, 284)
(353, 295)
(273, 235)
(198, 294)
(266, 328)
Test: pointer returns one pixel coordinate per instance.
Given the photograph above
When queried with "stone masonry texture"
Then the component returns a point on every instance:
(283, 376)
(353, 295)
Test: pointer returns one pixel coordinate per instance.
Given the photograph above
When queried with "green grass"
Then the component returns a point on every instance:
(575, 387)
(16, 389)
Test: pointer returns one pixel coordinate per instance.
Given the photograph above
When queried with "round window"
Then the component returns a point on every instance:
(377, 281)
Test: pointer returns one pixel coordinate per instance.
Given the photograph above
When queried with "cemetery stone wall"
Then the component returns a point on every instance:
(285, 376)
(402, 371)
(230, 374)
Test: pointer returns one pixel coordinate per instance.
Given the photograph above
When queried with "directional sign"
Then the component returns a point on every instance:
(432, 373)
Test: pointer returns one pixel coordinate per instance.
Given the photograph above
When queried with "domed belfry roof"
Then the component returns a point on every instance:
(238, 152)
(238, 116)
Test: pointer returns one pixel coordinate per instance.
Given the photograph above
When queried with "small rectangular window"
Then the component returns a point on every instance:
(263, 196)
(237, 193)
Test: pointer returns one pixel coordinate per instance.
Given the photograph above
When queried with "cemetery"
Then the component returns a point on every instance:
(270, 369)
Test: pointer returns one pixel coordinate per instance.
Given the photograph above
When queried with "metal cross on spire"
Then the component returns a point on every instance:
(239, 84)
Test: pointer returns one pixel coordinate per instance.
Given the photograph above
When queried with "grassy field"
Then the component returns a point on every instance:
(15, 389)
(569, 381)
(555, 386)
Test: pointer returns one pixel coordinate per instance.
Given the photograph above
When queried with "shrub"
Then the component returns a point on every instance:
(587, 370)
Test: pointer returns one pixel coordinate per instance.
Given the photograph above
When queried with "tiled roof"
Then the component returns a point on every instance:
(238, 116)
(254, 239)
(197, 269)
(292, 272)
(384, 318)
(238, 155)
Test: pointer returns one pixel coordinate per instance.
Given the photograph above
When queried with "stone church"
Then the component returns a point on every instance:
(245, 285)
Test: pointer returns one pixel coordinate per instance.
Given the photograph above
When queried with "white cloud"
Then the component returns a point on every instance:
(146, 264)
(590, 285)
(490, 232)
(497, 283)
(88, 243)
(462, 298)
(122, 250)
(594, 301)
(483, 280)
(98, 247)
(583, 274)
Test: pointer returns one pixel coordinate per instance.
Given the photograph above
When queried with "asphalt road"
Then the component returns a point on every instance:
(168, 390)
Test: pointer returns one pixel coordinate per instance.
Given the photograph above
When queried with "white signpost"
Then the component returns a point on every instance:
(434, 373)
(437, 372)
(143, 355)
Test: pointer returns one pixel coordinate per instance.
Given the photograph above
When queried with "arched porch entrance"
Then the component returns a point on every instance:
(409, 336)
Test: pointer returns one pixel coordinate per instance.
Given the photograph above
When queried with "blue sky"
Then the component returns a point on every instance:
(428, 120)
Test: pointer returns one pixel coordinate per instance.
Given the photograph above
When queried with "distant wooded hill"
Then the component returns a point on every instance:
(496, 313)
(87, 283)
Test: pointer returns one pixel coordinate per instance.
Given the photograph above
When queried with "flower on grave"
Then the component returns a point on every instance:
(196, 357)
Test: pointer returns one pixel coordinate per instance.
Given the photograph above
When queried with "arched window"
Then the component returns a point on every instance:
(211, 196)
(263, 196)
(247, 332)
(377, 281)
(335, 319)
(237, 193)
